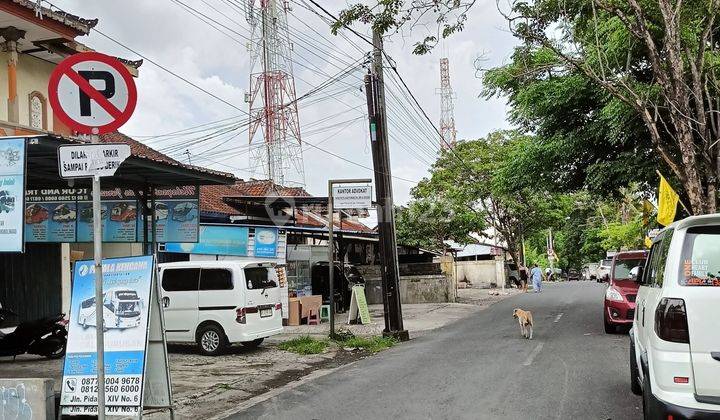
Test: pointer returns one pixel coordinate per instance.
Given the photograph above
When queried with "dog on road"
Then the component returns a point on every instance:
(526, 322)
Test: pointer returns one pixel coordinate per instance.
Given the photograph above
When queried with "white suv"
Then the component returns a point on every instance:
(675, 338)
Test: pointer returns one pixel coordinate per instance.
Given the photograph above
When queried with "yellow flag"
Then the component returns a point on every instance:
(667, 203)
(648, 242)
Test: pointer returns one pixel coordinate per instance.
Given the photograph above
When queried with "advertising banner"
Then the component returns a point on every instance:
(177, 215)
(12, 185)
(266, 241)
(215, 240)
(126, 302)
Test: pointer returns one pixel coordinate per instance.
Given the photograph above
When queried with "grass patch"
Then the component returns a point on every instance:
(371, 344)
(304, 345)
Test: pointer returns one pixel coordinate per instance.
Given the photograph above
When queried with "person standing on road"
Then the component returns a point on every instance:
(536, 276)
(523, 278)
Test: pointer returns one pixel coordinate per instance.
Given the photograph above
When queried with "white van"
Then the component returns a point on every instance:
(121, 309)
(216, 303)
(675, 339)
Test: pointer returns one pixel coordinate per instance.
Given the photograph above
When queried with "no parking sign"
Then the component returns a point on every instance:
(92, 93)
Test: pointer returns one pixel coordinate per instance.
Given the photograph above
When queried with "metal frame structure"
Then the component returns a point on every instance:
(447, 106)
(277, 153)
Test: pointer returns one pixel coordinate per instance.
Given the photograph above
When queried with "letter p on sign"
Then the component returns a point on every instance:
(92, 93)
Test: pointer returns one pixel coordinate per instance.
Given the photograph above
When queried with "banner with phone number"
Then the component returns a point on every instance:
(126, 296)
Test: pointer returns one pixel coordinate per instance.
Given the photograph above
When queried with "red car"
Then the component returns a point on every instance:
(619, 306)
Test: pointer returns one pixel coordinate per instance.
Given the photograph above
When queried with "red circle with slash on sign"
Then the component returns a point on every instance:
(92, 93)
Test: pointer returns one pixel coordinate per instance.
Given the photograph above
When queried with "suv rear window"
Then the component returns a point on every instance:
(259, 278)
(701, 257)
(622, 268)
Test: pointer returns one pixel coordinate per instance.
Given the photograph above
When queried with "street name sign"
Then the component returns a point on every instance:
(352, 197)
(92, 93)
(89, 160)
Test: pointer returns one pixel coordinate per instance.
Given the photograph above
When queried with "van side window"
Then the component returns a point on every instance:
(258, 278)
(651, 268)
(215, 279)
(180, 279)
(662, 258)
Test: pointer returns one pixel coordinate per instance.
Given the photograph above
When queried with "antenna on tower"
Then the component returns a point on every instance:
(274, 132)
(447, 106)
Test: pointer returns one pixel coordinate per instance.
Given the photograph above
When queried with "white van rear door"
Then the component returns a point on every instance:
(262, 296)
(700, 288)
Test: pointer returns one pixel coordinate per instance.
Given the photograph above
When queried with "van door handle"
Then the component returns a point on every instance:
(715, 355)
(166, 302)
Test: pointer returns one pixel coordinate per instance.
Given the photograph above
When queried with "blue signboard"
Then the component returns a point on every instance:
(126, 297)
(266, 241)
(215, 240)
(12, 187)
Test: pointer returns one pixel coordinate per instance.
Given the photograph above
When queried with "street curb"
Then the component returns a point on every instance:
(274, 392)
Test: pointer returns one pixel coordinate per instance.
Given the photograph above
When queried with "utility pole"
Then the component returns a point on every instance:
(375, 91)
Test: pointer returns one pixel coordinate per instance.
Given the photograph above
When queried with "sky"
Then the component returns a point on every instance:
(333, 120)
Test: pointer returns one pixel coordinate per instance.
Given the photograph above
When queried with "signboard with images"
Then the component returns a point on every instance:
(266, 242)
(352, 197)
(177, 215)
(12, 185)
(127, 286)
(65, 215)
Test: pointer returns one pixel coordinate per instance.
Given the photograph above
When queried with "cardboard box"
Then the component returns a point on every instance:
(310, 302)
(294, 311)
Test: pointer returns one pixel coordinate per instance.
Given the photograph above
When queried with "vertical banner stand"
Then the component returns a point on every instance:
(157, 391)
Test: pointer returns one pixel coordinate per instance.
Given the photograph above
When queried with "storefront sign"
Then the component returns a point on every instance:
(266, 241)
(65, 215)
(12, 185)
(215, 240)
(353, 197)
(126, 302)
(358, 306)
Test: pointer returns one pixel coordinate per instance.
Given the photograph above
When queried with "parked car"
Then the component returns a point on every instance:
(573, 275)
(123, 212)
(603, 270)
(7, 202)
(589, 271)
(217, 303)
(35, 213)
(63, 214)
(346, 276)
(513, 274)
(675, 339)
(619, 304)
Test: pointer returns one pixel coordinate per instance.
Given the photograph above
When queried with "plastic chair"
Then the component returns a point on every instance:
(312, 318)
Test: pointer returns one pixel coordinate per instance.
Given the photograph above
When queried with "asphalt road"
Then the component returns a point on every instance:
(481, 368)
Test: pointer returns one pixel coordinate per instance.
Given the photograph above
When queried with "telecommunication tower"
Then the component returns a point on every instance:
(274, 131)
(447, 106)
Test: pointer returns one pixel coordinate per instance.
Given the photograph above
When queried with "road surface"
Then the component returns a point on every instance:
(480, 368)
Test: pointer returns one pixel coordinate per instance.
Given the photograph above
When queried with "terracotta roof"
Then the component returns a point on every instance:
(146, 152)
(46, 10)
(212, 196)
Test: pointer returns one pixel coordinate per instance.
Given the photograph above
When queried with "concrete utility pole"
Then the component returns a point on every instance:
(375, 91)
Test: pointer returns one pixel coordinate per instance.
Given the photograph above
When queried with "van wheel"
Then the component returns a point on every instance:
(650, 412)
(253, 344)
(212, 340)
(635, 386)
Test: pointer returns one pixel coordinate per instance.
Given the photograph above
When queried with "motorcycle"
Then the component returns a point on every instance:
(45, 337)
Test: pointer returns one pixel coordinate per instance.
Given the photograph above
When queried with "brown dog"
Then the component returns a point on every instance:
(526, 322)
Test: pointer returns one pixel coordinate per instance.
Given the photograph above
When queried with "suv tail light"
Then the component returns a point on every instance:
(671, 321)
(240, 315)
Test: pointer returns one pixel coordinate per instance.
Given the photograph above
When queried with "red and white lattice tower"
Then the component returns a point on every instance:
(447, 106)
(275, 143)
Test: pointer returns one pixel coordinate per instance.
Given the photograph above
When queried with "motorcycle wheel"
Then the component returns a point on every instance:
(54, 347)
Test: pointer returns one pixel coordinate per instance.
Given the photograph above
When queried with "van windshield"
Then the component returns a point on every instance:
(701, 257)
(259, 278)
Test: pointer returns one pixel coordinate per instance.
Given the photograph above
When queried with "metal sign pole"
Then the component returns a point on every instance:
(99, 307)
(331, 262)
